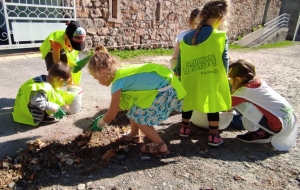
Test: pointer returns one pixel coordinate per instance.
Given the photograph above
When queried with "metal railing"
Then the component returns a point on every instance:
(31, 12)
(270, 28)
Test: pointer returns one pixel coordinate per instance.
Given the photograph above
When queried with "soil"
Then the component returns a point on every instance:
(95, 161)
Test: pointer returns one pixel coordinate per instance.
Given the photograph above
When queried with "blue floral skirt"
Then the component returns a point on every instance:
(164, 103)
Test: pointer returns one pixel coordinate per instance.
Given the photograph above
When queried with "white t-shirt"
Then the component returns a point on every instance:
(181, 35)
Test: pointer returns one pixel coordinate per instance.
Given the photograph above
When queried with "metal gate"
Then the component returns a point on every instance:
(26, 23)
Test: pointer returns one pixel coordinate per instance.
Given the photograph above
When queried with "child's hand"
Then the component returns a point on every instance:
(98, 124)
(59, 114)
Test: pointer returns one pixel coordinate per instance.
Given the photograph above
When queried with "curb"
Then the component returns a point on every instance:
(19, 56)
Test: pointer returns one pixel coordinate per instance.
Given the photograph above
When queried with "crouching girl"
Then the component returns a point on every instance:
(150, 92)
(265, 114)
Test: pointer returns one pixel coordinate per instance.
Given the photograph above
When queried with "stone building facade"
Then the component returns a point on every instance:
(127, 24)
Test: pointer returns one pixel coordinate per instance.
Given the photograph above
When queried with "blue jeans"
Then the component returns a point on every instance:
(237, 122)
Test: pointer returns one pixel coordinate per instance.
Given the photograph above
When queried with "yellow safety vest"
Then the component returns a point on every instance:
(145, 98)
(203, 75)
(59, 36)
(21, 113)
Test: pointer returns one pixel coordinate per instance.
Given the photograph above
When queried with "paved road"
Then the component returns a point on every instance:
(15, 70)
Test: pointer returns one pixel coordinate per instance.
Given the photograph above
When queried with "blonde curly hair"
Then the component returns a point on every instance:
(102, 60)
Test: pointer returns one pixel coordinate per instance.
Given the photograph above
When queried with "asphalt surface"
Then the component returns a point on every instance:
(16, 69)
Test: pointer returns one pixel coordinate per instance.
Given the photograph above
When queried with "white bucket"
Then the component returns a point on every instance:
(75, 106)
(200, 119)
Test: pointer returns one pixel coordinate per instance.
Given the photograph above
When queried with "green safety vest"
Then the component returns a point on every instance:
(203, 75)
(59, 36)
(21, 113)
(145, 98)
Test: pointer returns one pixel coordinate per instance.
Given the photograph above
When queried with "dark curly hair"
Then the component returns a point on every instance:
(243, 69)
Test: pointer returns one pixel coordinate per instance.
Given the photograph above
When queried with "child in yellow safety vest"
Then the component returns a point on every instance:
(202, 65)
(41, 96)
(64, 45)
(150, 92)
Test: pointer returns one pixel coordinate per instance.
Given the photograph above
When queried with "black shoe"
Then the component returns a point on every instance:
(265, 126)
(259, 136)
(48, 119)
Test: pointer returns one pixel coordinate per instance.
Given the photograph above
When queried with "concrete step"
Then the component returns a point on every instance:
(247, 39)
(278, 36)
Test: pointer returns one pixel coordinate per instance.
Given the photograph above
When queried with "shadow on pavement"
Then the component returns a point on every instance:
(9, 126)
(6, 103)
(8, 145)
(85, 122)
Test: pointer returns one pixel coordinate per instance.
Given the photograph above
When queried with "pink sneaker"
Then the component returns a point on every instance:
(185, 131)
(215, 140)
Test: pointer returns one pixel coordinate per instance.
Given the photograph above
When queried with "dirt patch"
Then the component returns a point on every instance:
(78, 163)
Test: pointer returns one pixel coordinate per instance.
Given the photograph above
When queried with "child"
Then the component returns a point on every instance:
(202, 65)
(64, 45)
(150, 92)
(193, 22)
(266, 114)
(40, 96)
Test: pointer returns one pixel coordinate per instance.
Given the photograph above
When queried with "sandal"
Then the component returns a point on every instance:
(128, 138)
(185, 129)
(155, 149)
(215, 140)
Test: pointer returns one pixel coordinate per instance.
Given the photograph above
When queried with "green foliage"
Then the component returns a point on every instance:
(277, 45)
(256, 28)
(127, 54)
(235, 46)
(264, 46)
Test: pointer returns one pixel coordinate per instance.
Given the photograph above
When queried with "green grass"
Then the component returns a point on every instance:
(264, 46)
(128, 54)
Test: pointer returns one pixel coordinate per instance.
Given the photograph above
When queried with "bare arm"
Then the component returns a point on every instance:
(114, 107)
(56, 47)
(176, 51)
(39, 99)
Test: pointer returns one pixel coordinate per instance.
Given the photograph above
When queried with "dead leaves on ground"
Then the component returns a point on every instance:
(43, 156)
(109, 154)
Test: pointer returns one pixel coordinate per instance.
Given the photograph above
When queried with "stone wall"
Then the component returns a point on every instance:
(137, 22)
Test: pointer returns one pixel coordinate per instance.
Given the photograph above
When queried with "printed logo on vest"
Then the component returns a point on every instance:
(19, 95)
(288, 114)
(210, 72)
(200, 64)
(125, 100)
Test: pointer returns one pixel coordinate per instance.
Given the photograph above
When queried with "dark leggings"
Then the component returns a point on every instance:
(210, 116)
(49, 59)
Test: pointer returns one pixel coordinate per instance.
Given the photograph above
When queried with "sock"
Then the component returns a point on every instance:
(214, 129)
(185, 123)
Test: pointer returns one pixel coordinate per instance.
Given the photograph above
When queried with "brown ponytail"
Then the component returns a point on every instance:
(198, 30)
(212, 9)
(243, 69)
